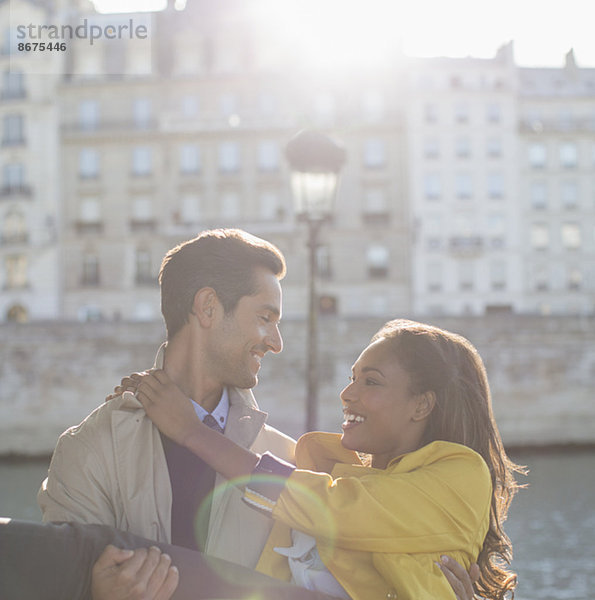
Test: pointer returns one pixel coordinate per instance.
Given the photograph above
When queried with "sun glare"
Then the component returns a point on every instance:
(128, 6)
(355, 33)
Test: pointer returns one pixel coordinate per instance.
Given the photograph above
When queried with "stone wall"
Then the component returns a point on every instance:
(542, 373)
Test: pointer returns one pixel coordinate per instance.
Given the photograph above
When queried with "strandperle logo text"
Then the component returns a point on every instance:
(84, 31)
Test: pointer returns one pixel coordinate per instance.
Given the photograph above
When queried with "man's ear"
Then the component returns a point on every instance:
(205, 306)
(424, 405)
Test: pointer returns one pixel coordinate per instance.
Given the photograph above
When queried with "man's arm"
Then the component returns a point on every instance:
(75, 488)
(53, 561)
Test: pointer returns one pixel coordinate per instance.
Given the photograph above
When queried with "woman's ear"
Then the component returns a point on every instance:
(205, 305)
(424, 405)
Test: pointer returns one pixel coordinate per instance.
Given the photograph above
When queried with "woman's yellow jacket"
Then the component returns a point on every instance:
(380, 531)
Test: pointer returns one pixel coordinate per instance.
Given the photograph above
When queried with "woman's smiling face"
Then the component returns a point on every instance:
(380, 411)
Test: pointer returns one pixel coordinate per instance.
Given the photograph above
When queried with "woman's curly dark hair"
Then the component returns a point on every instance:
(450, 366)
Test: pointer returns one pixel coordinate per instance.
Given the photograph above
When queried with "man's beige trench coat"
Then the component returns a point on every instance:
(111, 469)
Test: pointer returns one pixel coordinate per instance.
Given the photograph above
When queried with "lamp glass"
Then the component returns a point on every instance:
(313, 193)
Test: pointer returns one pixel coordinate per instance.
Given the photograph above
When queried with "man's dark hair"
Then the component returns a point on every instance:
(223, 259)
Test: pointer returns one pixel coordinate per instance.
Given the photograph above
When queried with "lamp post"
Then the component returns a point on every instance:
(315, 161)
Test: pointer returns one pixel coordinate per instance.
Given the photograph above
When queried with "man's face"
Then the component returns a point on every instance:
(238, 341)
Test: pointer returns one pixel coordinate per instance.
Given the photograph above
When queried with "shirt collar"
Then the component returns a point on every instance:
(219, 413)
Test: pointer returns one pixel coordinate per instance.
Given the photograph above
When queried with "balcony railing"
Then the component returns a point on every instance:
(88, 227)
(466, 244)
(9, 191)
(8, 239)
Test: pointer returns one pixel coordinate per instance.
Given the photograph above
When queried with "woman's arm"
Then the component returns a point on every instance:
(173, 413)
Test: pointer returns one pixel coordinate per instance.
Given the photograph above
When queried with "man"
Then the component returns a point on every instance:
(221, 301)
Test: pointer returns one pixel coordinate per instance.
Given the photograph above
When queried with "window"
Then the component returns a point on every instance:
(497, 229)
(88, 114)
(373, 106)
(431, 148)
(325, 108)
(461, 113)
(540, 236)
(228, 57)
(230, 205)
(14, 228)
(432, 186)
(323, 262)
(114, 58)
(434, 277)
(569, 194)
(190, 209)
(90, 210)
(538, 194)
(267, 104)
(17, 313)
(13, 84)
(494, 147)
(565, 119)
(228, 105)
(142, 209)
(189, 105)
(493, 113)
(13, 176)
(268, 155)
(89, 312)
(269, 205)
(13, 130)
(374, 153)
(90, 269)
(456, 82)
(139, 61)
(375, 202)
(541, 281)
(141, 112)
(571, 236)
(568, 155)
(143, 311)
(16, 271)
(430, 113)
(327, 305)
(463, 186)
(88, 163)
(465, 275)
(189, 159)
(498, 275)
(537, 155)
(143, 274)
(463, 147)
(229, 157)
(495, 185)
(9, 41)
(142, 160)
(574, 279)
(378, 260)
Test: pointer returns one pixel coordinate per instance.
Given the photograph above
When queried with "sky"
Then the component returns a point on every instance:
(543, 31)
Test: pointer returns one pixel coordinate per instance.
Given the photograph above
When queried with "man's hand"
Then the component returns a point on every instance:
(142, 574)
(127, 384)
(460, 581)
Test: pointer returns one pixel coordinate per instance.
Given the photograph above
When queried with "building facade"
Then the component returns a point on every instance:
(557, 183)
(120, 149)
(30, 203)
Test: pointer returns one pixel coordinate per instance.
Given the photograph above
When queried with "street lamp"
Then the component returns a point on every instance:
(315, 160)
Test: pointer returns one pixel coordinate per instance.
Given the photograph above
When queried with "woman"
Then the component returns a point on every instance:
(434, 478)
